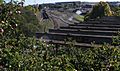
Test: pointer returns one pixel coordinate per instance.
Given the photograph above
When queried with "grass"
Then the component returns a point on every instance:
(46, 25)
(79, 18)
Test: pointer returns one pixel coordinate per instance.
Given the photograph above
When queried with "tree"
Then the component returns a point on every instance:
(29, 22)
(99, 10)
(1, 1)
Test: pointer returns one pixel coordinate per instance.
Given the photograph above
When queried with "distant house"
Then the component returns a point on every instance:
(69, 4)
(78, 12)
(86, 8)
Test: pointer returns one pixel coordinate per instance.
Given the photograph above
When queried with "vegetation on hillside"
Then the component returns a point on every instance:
(1, 1)
(99, 10)
(22, 53)
(79, 18)
(116, 11)
(29, 22)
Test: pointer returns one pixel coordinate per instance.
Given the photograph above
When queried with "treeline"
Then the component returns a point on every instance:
(65, 5)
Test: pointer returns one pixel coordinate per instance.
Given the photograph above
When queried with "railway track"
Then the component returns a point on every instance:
(84, 34)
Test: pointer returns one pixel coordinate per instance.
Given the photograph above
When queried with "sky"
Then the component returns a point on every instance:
(27, 2)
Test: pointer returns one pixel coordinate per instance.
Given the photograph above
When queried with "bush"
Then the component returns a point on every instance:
(99, 10)
(21, 53)
(29, 54)
(116, 11)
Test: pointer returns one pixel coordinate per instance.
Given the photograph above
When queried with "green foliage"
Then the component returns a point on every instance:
(15, 18)
(21, 53)
(1, 1)
(29, 22)
(32, 55)
(46, 25)
(79, 18)
(31, 8)
(116, 40)
(116, 11)
(99, 10)
(8, 21)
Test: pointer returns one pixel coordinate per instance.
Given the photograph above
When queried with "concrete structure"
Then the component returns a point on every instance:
(97, 31)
